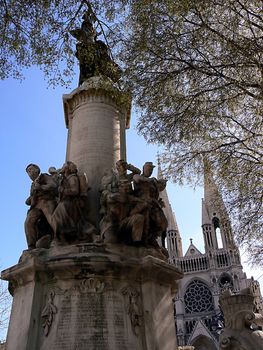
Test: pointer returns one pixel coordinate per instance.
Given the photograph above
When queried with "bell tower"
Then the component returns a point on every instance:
(215, 220)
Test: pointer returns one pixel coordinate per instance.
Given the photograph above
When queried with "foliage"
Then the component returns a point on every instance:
(195, 71)
(36, 33)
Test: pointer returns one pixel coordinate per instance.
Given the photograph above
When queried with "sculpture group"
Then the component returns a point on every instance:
(58, 207)
(131, 210)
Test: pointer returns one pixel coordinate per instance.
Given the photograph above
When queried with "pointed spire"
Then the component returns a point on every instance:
(214, 213)
(174, 241)
(213, 204)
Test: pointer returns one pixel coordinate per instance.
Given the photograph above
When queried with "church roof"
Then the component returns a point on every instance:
(192, 250)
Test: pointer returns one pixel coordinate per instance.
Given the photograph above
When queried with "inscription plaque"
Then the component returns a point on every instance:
(94, 321)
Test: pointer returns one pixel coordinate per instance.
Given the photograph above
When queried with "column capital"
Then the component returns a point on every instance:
(94, 89)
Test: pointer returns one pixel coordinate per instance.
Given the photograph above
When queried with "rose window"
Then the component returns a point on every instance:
(198, 298)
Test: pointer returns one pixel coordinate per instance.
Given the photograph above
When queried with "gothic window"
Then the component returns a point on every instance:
(189, 326)
(217, 229)
(219, 238)
(198, 298)
(215, 221)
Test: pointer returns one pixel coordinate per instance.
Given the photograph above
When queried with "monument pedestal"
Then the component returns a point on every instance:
(92, 296)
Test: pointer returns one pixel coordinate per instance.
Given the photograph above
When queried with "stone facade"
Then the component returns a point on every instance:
(198, 316)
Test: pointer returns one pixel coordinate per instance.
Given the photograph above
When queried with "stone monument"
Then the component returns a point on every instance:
(93, 276)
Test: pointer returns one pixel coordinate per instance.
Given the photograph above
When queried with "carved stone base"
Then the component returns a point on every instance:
(92, 296)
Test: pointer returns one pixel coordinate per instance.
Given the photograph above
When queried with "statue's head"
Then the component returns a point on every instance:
(52, 170)
(148, 169)
(121, 166)
(69, 168)
(33, 171)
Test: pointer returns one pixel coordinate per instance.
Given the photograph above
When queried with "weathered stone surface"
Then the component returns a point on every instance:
(96, 114)
(95, 296)
(58, 207)
(42, 202)
(70, 217)
(131, 206)
(241, 330)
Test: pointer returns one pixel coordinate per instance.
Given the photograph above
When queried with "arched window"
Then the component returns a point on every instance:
(216, 224)
(198, 298)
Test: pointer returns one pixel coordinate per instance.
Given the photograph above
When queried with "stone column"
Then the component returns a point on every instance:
(96, 114)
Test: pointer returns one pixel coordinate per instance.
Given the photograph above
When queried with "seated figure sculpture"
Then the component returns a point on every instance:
(42, 202)
(69, 219)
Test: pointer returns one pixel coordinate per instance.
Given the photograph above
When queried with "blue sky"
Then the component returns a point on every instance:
(33, 131)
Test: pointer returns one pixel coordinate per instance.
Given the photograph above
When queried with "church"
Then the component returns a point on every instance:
(197, 313)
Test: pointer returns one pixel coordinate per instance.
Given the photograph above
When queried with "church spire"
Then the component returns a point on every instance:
(174, 241)
(215, 220)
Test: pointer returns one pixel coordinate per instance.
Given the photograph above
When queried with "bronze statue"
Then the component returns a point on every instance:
(42, 202)
(93, 54)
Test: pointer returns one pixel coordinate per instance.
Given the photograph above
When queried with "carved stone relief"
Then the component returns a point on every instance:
(133, 308)
(48, 313)
(90, 285)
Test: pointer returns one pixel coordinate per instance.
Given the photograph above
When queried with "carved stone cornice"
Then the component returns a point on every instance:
(109, 261)
(97, 89)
